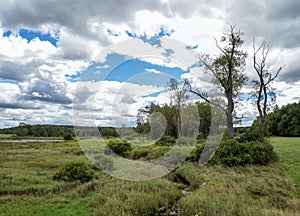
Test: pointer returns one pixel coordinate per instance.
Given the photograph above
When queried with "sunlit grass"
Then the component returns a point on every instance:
(27, 186)
(288, 149)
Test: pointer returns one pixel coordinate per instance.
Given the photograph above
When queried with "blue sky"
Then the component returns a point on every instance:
(48, 61)
(122, 69)
(30, 35)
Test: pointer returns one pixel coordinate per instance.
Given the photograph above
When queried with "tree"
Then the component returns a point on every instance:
(285, 121)
(179, 94)
(263, 92)
(227, 70)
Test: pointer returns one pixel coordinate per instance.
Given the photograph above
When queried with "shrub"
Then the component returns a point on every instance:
(196, 153)
(157, 151)
(120, 147)
(233, 153)
(166, 141)
(261, 153)
(139, 152)
(75, 171)
(104, 162)
(68, 136)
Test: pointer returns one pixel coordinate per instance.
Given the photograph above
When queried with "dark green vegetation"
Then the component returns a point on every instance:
(54, 131)
(285, 121)
(75, 171)
(28, 187)
(169, 112)
(39, 130)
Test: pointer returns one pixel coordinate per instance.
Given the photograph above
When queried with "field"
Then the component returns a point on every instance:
(27, 186)
(288, 149)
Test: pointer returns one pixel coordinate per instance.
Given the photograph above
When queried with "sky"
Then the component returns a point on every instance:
(98, 62)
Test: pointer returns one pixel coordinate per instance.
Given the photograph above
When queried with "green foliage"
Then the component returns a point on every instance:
(139, 153)
(120, 147)
(233, 153)
(68, 136)
(166, 141)
(285, 121)
(39, 130)
(170, 114)
(103, 162)
(196, 152)
(157, 152)
(261, 153)
(204, 111)
(108, 132)
(75, 171)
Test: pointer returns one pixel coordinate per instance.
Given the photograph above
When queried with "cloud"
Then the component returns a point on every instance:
(43, 77)
(151, 70)
(78, 16)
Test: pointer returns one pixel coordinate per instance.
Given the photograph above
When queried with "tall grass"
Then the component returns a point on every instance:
(27, 186)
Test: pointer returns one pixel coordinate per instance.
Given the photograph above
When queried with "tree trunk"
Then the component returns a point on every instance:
(179, 131)
(229, 117)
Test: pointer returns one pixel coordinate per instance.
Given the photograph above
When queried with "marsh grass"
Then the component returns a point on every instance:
(250, 190)
(27, 186)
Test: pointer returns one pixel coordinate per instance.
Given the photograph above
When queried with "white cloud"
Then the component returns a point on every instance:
(152, 70)
(43, 93)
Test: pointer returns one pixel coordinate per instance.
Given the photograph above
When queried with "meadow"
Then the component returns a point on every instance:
(27, 186)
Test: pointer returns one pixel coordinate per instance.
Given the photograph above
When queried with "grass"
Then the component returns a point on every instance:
(7, 136)
(249, 190)
(27, 186)
(288, 149)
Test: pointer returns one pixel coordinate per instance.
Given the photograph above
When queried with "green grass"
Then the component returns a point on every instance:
(27, 186)
(7, 136)
(288, 149)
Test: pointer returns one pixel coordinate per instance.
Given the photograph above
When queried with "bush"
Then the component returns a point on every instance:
(166, 141)
(104, 162)
(75, 171)
(120, 147)
(139, 153)
(233, 153)
(196, 153)
(157, 151)
(68, 136)
(261, 153)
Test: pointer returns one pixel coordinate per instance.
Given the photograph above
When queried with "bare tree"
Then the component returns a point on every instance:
(263, 93)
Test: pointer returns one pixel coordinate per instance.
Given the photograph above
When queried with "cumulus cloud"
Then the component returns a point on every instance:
(38, 79)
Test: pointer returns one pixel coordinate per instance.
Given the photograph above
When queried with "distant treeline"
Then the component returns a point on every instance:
(39, 130)
(285, 121)
(25, 130)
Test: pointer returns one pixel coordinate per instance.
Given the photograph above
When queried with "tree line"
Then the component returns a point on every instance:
(285, 121)
(170, 113)
(27, 130)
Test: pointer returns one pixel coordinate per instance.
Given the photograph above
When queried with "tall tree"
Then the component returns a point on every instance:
(263, 92)
(178, 94)
(228, 70)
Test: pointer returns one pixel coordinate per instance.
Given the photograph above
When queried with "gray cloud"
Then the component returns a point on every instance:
(18, 106)
(16, 71)
(70, 13)
(279, 10)
(272, 20)
(275, 21)
(46, 91)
